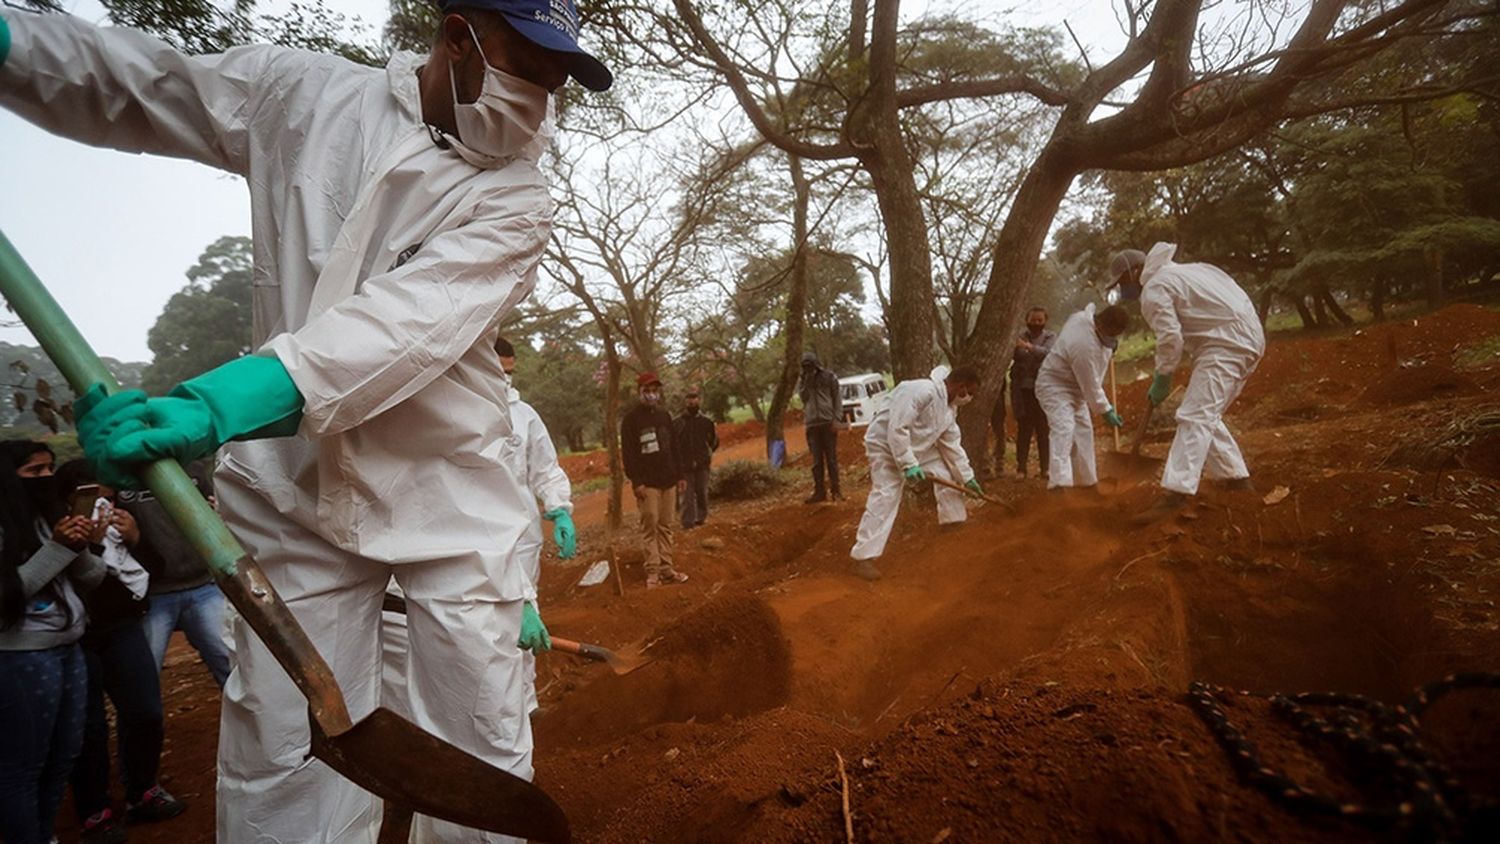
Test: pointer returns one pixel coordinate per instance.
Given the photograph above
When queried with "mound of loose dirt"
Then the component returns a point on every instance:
(1417, 384)
(725, 659)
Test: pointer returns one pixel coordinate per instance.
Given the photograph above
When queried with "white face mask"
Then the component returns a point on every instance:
(504, 119)
(962, 400)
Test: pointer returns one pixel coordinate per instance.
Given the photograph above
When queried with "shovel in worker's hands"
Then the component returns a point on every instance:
(383, 753)
(620, 663)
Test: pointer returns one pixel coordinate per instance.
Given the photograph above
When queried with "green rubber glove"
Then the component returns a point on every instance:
(1161, 387)
(563, 532)
(245, 399)
(914, 474)
(1113, 419)
(4, 40)
(973, 484)
(534, 635)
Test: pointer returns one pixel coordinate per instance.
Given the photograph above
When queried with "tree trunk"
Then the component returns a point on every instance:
(1333, 307)
(1435, 281)
(876, 126)
(1264, 306)
(795, 326)
(1016, 253)
(612, 433)
(1320, 314)
(1300, 301)
(1377, 299)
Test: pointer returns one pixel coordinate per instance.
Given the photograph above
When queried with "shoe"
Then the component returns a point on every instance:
(102, 828)
(866, 570)
(156, 804)
(670, 577)
(1237, 485)
(815, 498)
(1166, 505)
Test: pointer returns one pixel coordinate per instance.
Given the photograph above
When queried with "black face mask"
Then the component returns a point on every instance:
(42, 494)
(692, 411)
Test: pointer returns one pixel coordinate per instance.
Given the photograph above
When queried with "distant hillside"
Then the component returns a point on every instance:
(128, 373)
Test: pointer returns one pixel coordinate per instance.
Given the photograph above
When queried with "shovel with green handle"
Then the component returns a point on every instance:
(383, 753)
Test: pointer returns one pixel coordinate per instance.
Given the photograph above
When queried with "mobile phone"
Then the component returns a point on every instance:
(81, 502)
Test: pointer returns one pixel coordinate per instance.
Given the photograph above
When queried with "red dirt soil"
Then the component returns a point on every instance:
(1020, 677)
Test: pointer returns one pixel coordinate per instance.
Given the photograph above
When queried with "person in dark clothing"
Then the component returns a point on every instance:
(1032, 347)
(649, 451)
(182, 591)
(997, 428)
(697, 440)
(44, 566)
(823, 416)
(118, 662)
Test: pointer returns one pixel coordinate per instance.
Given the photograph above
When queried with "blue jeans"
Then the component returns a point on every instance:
(119, 665)
(42, 697)
(199, 613)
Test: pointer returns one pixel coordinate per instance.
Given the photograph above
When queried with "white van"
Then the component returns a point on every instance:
(863, 395)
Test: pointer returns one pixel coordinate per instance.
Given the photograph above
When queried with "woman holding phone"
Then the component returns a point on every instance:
(120, 665)
(44, 567)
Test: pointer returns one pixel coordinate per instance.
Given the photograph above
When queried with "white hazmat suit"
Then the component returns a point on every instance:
(1070, 389)
(1198, 308)
(916, 426)
(532, 457)
(383, 265)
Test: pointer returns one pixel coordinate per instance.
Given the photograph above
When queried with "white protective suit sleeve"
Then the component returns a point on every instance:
(950, 445)
(406, 327)
(904, 407)
(1160, 310)
(126, 90)
(546, 479)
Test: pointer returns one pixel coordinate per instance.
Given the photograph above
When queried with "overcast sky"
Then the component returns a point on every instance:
(111, 234)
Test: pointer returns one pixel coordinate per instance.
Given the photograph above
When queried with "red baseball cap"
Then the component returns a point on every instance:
(646, 379)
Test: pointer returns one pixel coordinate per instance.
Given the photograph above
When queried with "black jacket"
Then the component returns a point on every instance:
(648, 446)
(697, 440)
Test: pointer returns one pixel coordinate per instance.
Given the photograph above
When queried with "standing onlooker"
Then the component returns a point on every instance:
(43, 681)
(1031, 348)
(697, 440)
(183, 594)
(119, 665)
(997, 427)
(823, 415)
(651, 462)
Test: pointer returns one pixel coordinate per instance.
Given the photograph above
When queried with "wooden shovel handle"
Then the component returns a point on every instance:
(580, 649)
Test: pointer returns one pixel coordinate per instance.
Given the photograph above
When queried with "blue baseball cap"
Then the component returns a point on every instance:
(552, 24)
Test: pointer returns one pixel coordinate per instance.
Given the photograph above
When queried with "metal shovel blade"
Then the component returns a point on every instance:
(394, 758)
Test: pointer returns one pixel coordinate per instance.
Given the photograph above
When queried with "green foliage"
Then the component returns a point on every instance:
(741, 480)
(559, 381)
(25, 367)
(208, 322)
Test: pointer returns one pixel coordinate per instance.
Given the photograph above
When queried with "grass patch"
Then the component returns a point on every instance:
(1476, 355)
(740, 480)
(591, 485)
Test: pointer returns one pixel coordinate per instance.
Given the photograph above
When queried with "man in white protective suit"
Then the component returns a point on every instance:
(914, 436)
(398, 214)
(533, 459)
(1199, 309)
(1070, 389)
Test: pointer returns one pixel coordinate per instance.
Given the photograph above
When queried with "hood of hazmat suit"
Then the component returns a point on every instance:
(1191, 307)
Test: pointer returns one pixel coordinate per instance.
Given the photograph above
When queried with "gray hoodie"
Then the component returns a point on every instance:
(51, 580)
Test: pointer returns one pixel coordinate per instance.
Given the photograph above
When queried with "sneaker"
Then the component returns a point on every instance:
(156, 804)
(866, 570)
(1237, 485)
(669, 577)
(102, 828)
(1166, 505)
(815, 498)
